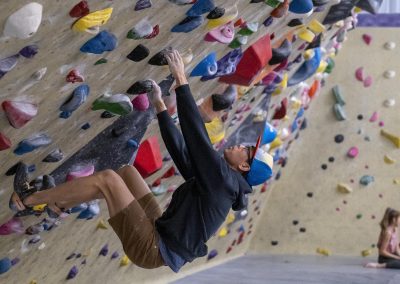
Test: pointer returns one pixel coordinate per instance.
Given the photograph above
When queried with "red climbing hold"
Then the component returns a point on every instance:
(239, 23)
(148, 159)
(79, 10)
(74, 76)
(154, 33)
(169, 173)
(19, 113)
(281, 111)
(5, 143)
(255, 58)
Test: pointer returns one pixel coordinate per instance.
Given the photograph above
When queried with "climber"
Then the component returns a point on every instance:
(213, 185)
(388, 243)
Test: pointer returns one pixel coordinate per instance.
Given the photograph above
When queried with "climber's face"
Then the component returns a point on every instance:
(239, 157)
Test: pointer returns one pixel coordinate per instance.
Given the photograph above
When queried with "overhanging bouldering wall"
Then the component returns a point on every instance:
(335, 192)
(88, 250)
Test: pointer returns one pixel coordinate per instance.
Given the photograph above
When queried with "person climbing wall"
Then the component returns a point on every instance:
(213, 185)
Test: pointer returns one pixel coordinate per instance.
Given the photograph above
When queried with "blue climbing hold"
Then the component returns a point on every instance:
(212, 254)
(269, 134)
(32, 143)
(104, 250)
(5, 265)
(79, 208)
(72, 273)
(301, 6)
(114, 255)
(103, 41)
(132, 143)
(91, 211)
(29, 51)
(77, 98)
(226, 65)
(296, 122)
(86, 126)
(307, 69)
(201, 7)
(366, 180)
(206, 67)
(188, 24)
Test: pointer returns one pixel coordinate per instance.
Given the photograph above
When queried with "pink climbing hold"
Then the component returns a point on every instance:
(74, 76)
(19, 113)
(381, 123)
(353, 152)
(368, 81)
(141, 102)
(5, 142)
(80, 171)
(367, 38)
(374, 117)
(360, 74)
(14, 225)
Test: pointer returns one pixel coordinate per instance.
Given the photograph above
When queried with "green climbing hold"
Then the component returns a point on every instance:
(238, 42)
(359, 216)
(337, 93)
(339, 112)
(119, 104)
(101, 61)
(249, 29)
(331, 65)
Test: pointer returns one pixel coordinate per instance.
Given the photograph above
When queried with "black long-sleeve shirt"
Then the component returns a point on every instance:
(200, 205)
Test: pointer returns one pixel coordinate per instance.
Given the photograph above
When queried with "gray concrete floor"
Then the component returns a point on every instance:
(294, 269)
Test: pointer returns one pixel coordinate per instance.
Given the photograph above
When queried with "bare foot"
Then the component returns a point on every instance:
(374, 265)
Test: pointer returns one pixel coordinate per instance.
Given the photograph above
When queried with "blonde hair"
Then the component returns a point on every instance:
(389, 218)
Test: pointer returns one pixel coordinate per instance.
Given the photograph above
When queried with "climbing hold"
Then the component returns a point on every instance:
(366, 180)
(269, 134)
(366, 252)
(141, 30)
(316, 27)
(188, 24)
(206, 67)
(213, 253)
(337, 93)
(360, 74)
(124, 261)
(367, 38)
(216, 130)
(159, 189)
(148, 159)
(103, 41)
(35, 239)
(223, 34)
(72, 273)
(302, 230)
(306, 35)
(25, 22)
(200, 7)
(388, 160)
(39, 74)
(5, 142)
(248, 29)
(92, 21)
(14, 225)
(118, 104)
(390, 45)
(295, 23)
(19, 113)
(274, 243)
(104, 250)
(32, 143)
(74, 76)
(142, 4)
(54, 156)
(139, 53)
(159, 58)
(216, 13)
(323, 251)
(238, 41)
(395, 139)
(41, 246)
(396, 181)
(114, 255)
(368, 81)
(5, 265)
(132, 143)
(343, 188)
(224, 100)
(222, 232)
(86, 126)
(92, 210)
(281, 53)
(80, 10)
(141, 87)
(272, 3)
(339, 138)
(307, 69)
(230, 14)
(166, 85)
(280, 112)
(80, 171)
(101, 61)
(15, 261)
(281, 10)
(339, 112)
(268, 21)
(77, 98)
(389, 102)
(29, 51)
(141, 102)
(389, 74)
(374, 117)
(353, 152)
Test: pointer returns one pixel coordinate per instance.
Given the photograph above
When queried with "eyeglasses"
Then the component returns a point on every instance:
(248, 149)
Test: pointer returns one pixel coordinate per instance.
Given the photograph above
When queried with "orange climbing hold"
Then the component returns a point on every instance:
(314, 88)
(148, 159)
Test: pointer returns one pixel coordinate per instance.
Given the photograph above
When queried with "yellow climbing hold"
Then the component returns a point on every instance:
(124, 261)
(102, 225)
(343, 188)
(296, 103)
(39, 207)
(229, 16)
(223, 232)
(306, 35)
(366, 252)
(230, 218)
(92, 20)
(396, 181)
(286, 118)
(308, 54)
(357, 10)
(277, 91)
(87, 252)
(323, 251)
(33, 282)
(395, 139)
(242, 90)
(216, 130)
(276, 143)
(388, 160)
(322, 66)
(316, 26)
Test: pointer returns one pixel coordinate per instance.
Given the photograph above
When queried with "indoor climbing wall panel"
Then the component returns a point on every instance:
(343, 172)
(49, 67)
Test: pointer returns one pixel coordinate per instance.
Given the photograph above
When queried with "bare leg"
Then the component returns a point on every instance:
(105, 184)
(134, 181)
(375, 265)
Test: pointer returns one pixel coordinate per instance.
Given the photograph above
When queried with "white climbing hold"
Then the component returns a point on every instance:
(389, 74)
(25, 22)
(42, 246)
(389, 102)
(390, 45)
(39, 74)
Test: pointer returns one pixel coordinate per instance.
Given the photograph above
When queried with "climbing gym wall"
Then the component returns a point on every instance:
(343, 172)
(73, 102)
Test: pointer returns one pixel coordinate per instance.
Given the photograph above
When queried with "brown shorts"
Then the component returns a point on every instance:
(135, 227)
